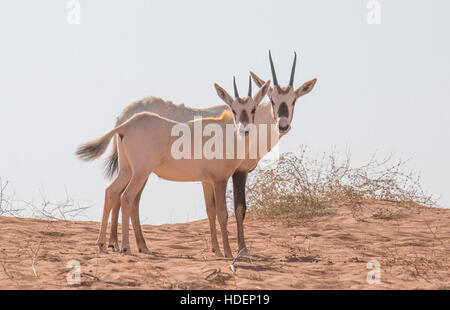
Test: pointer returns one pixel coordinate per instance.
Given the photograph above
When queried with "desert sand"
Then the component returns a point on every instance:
(330, 252)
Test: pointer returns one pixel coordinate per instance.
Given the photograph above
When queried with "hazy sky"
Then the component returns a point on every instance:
(380, 87)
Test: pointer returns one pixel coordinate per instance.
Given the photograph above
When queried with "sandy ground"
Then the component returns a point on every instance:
(330, 252)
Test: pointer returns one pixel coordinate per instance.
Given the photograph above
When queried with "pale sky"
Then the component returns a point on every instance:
(380, 87)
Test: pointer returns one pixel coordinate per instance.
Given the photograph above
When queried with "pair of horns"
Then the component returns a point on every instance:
(236, 94)
(274, 75)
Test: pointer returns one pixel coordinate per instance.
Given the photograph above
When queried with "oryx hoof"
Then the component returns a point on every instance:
(217, 252)
(114, 247)
(125, 251)
(229, 255)
(145, 251)
(102, 248)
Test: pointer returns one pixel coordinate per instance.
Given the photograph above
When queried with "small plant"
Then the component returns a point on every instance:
(6, 201)
(300, 187)
(69, 209)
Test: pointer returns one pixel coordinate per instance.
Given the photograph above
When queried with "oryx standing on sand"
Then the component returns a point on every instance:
(147, 147)
(282, 100)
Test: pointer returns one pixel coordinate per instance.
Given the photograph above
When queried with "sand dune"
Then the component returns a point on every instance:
(330, 252)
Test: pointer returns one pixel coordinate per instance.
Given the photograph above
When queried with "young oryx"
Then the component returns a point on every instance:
(147, 146)
(282, 100)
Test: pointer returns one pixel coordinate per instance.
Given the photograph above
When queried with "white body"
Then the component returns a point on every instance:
(181, 113)
(144, 145)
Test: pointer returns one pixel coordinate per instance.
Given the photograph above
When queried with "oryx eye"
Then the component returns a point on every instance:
(293, 103)
(273, 103)
(234, 112)
(254, 110)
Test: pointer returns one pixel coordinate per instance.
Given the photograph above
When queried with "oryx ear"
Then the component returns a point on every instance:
(223, 94)
(262, 92)
(258, 81)
(305, 88)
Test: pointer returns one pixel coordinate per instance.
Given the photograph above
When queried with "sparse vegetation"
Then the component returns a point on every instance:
(6, 201)
(69, 209)
(300, 187)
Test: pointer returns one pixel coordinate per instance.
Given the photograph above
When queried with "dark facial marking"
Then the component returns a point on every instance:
(253, 114)
(283, 110)
(283, 128)
(243, 118)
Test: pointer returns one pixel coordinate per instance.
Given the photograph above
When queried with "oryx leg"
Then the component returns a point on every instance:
(123, 166)
(112, 200)
(139, 235)
(128, 202)
(113, 241)
(208, 193)
(239, 180)
(222, 214)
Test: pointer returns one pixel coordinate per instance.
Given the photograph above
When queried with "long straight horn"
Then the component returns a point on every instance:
(291, 81)
(250, 86)
(274, 75)
(236, 94)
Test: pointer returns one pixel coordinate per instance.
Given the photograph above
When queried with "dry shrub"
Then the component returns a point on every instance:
(6, 201)
(69, 209)
(299, 187)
